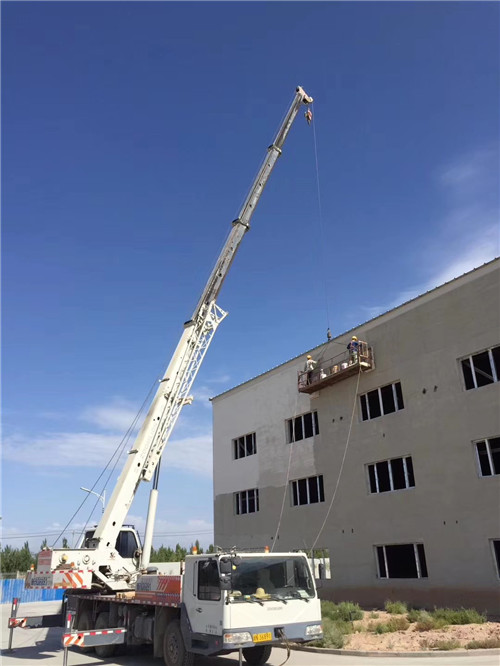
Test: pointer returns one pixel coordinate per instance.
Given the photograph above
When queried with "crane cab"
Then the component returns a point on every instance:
(128, 543)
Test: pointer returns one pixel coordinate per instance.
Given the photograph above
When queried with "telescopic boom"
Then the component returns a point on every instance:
(173, 393)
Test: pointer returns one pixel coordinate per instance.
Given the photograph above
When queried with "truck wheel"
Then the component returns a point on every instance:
(85, 624)
(174, 650)
(102, 622)
(258, 655)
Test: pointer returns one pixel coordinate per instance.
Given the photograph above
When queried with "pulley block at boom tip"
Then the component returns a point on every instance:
(305, 97)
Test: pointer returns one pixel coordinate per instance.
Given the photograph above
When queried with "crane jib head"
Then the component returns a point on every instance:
(305, 97)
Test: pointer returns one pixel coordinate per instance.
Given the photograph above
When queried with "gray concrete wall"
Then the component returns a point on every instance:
(451, 510)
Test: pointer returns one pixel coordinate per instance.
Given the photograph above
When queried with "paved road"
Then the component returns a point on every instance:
(43, 646)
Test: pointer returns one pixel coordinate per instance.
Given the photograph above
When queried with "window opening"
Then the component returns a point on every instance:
(308, 491)
(481, 369)
(389, 475)
(496, 553)
(402, 561)
(488, 455)
(302, 427)
(384, 400)
(244, 446)
(246, 501)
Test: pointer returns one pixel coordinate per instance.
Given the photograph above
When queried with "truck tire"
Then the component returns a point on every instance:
(85, 624)
(102, 622)
(174, 650)
(258, 655)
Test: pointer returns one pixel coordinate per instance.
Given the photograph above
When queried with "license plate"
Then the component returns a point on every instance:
(260, 638)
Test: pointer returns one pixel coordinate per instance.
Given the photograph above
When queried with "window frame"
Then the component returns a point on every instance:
(207, 596)
(420, 565)
(495, 372)
(290, 427)
(365, 404)
(496, 557)
(392, 489)
(295, 494)
(486, 441)
(236, 443)
(241, 495)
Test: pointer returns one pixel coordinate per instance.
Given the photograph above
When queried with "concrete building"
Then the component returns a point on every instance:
(391, 463)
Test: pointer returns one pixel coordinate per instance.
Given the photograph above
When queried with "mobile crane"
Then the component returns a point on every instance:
(215, 603)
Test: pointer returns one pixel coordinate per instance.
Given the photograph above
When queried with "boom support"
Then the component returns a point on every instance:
(173, 392)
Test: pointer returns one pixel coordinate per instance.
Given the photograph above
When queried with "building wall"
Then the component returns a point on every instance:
(451, 510)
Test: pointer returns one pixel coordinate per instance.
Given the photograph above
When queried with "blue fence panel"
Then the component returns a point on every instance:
(12, 587)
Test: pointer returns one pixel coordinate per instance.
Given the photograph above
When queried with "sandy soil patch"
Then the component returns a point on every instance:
(415, 641)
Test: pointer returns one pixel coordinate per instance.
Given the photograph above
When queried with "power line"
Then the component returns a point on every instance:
(69, 531)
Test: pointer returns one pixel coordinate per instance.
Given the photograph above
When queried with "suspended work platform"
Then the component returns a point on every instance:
(336, 369)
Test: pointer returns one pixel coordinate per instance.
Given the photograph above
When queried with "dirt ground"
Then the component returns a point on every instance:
(415, 641)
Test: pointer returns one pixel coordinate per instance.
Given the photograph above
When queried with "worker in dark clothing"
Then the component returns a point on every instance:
(353, 348)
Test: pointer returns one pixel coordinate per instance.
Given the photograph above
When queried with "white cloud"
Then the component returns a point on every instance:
(118, 415)
(190, 453)
(222, 379)
(83, 449)
(202, 395)
(188, 530)
(468, 234)
(61, 449)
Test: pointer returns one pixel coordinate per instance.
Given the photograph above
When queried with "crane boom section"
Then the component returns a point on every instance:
(242, 222)
(173, 392)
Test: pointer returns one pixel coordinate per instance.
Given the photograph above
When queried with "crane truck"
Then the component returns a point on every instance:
(211, 603)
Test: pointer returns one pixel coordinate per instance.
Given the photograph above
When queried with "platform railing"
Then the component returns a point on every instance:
(342, 364)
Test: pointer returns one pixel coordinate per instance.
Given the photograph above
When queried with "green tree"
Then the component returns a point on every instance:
(16, 559)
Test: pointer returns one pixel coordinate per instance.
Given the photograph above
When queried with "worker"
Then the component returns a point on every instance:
(309, 367)
(353, 348)
(308, 116)
(328, 335)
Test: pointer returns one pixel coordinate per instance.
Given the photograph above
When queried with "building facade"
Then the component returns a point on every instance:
(394, 467)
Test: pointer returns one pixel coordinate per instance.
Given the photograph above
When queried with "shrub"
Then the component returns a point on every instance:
(374, 616)
(398, 624)
(346, 611)
(396, 607)
(415, 615)
(460, 616)
(444, 644)
(333, 634)
(333, 637)
(483, 644)
(424, 621)
(394, 624)
(381, 628)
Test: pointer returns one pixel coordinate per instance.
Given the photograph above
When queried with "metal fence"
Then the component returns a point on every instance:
(12, 587)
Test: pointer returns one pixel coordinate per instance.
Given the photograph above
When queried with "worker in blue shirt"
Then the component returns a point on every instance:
(353, 348)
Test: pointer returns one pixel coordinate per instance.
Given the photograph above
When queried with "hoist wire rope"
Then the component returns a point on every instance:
(325, 345)
(276, 534)
(116, 454)
(320, 219)
(339, 476)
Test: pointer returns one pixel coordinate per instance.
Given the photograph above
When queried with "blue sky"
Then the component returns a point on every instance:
(131, 132)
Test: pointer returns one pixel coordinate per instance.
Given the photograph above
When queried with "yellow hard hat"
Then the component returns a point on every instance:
(309, 356)
(354, 337)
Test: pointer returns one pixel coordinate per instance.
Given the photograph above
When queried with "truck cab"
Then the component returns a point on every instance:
(250, 601)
